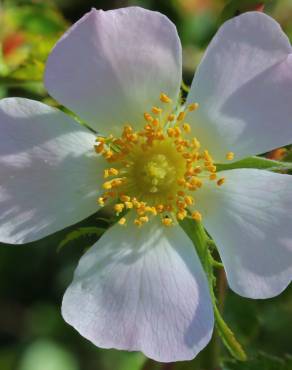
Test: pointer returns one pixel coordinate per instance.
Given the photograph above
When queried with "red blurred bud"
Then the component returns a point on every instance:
(12, 42)
(259, 7)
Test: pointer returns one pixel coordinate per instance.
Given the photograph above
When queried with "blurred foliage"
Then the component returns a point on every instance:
(33, 278)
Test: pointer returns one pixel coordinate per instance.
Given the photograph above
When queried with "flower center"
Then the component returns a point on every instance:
(158, 173)
(157, 170)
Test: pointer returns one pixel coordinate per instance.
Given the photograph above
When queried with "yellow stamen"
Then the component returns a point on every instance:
(156, 170)
(125, 198)
(197, 216)
(193, 106)
(119, 207)
(129, 205)
(156, 110)
(167, 221)
(100, 201)
(221, 181)
(186, 127)
(164, 98)
(229, 156)
(122, 221)
(148, 117)
(155, 122)
(181, 116)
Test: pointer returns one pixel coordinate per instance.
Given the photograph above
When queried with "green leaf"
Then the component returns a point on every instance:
(79, 233)
(256, 162)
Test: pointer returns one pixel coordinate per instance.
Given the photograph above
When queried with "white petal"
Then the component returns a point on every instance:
(250, 219)
(244, 87)
(142, 289)
(111, 67)
(49, 173)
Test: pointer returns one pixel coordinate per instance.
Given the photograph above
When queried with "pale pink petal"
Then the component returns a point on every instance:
(111, 67)
(142, 289)
(244, 87)
(250, 219)
(49, 173)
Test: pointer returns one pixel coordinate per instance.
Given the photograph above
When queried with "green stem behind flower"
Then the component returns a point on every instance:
(202, 242)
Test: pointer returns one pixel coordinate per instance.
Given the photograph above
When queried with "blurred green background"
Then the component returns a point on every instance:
(33, 277)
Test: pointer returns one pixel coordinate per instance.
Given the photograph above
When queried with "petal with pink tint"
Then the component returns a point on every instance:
(111, 67)
(244, 88)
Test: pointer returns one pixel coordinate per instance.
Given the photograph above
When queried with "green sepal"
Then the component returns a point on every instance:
(79, 233)
(260, 163)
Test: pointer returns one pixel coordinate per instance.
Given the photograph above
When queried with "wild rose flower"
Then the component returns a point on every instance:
(141, 286)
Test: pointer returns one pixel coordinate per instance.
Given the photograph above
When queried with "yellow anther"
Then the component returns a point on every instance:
(119, 207)
(229, 156)
(213, 176)
(100, 139)
(155, 122)
(193, 107)
(199, 183)
(156, 110)
(129, 205)
(180, 215)
(122, 221)
(148, 117)
(148, 127)
(151, 210)
(197, 170)
(221, 181)
(181, 116)
(211, 168)
(181, 204)
(171, 117)
(186, 127)
(167, 221)
(170, 132)
(159, 208)
(100, 201)
(108, 154)
(99, 148)
(106, 173)
(125, 198)
(107, 185)
(113, 171)
(181, 182)
(137, 222)
(128, 129)
(117, 182)
(177, 131)
(143, 219)
(197, 216)
(136, 204)
(187, 155)
(164, 98)
(189, 200)
(207, 156)
(195, 143)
